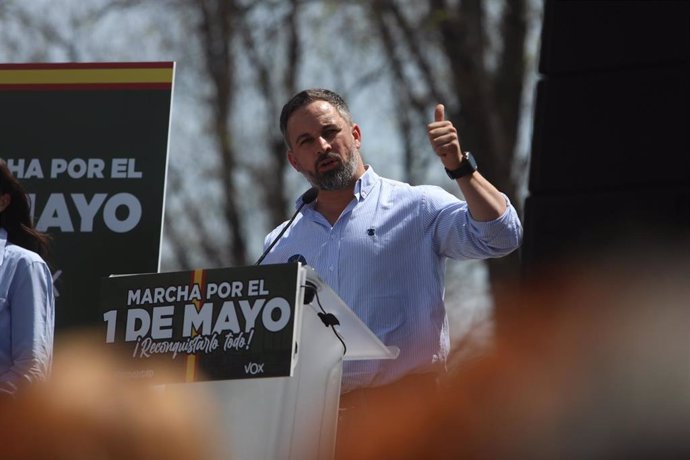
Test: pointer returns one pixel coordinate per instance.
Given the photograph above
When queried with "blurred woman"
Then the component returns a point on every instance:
(27, 305)
(86, 412)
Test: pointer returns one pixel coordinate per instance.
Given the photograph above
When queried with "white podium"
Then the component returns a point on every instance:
(294, 418)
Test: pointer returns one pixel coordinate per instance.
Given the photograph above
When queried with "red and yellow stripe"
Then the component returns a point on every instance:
(71, 76)
(198, 277)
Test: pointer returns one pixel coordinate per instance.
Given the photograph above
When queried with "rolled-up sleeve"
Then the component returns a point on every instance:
(459, 236)
(500, 236)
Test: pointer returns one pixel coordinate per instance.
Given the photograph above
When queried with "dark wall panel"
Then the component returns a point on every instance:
(585, 35)
(611, 142)
(564, 226)
(612, 129)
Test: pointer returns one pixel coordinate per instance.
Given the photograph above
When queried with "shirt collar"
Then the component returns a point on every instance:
(365, 183)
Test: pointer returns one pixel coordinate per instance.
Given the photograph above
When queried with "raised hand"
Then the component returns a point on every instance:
(444, 139)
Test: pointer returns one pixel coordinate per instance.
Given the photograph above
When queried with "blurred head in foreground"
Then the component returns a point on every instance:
(84, 413)
(594, 363)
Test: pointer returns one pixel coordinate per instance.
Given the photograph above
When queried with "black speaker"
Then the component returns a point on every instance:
(611, 141)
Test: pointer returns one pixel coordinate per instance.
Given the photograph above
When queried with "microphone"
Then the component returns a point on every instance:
(307, 197)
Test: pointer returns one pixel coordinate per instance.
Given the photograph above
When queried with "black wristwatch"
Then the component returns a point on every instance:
(467, 167)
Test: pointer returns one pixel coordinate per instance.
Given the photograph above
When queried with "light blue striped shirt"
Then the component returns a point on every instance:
(385, 257)
(27, 316)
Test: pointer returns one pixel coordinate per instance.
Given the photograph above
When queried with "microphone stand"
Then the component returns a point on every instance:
(308, 196)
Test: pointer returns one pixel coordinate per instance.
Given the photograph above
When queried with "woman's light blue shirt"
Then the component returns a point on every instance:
(27, 316)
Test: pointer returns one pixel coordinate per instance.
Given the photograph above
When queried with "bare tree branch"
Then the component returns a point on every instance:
(217, 29)
(180, 241)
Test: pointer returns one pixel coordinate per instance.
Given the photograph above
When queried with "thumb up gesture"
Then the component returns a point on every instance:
(444, 139)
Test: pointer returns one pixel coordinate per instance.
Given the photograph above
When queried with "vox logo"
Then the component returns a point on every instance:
(254, 368)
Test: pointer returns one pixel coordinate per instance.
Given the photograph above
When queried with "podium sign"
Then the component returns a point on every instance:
(215, 324)
(89, 143)
(296, 416)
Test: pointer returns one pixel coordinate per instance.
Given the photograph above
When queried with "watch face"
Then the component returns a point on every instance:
(472, 161)
(467, 167)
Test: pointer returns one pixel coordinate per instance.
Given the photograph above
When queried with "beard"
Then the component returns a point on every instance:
(338, 178)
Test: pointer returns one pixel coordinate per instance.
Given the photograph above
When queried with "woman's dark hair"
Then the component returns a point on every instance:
(16, 218)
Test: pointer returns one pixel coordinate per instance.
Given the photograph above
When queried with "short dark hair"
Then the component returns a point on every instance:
(307, 97)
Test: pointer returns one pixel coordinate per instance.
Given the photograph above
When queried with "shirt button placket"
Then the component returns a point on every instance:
(333, 256)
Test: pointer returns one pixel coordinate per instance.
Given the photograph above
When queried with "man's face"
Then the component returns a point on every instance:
(324, 147)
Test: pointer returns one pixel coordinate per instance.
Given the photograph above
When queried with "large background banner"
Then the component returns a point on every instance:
(89, 142)
(216, 324)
